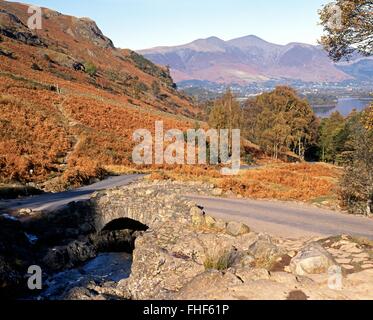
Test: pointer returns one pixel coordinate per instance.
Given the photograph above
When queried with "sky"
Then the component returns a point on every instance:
(140, 24)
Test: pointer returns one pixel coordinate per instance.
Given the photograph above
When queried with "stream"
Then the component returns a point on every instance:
(105, 267)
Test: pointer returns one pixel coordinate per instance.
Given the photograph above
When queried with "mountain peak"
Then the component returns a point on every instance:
(208, 44)
(214, 39)
(250, 37)
(249, 41)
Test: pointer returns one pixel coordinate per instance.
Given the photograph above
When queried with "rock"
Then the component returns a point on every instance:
(25, 211)
(260, 285)
(81, 294)
(313, 259)
(237, 228)
(263, 248)
(229, 194)
(348, 267)
(343, 261)
(68, 256)
(214, 285)
(220, 224)
(11, 26)
(217, 192)
(246, 274)
(210, 221)
(287, 269)
(198, 217)
(362, 255)
(246, 261)
(149, 192)
(292, 254)
(288, 278)
(6, 53)
(205, 284)
(157, 270)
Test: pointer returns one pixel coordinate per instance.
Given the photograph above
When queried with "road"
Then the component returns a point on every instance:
(53, 201)
(290, 220)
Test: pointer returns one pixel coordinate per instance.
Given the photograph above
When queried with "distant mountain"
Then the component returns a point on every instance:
(361, 69)
(250, 59)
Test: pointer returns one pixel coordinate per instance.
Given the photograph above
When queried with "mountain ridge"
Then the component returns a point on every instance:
(247, 59)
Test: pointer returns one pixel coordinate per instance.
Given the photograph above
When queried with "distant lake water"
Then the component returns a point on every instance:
(344, 106)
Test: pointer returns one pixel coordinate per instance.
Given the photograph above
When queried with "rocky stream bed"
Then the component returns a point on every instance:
(148, 241)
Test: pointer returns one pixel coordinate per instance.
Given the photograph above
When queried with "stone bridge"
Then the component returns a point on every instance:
(140, 205)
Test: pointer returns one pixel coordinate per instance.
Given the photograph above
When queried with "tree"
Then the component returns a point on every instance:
(226, 114)
(251, 110)
(280, 121)
(328, 130)
(356, 186)
(273, 132)
(349, 28)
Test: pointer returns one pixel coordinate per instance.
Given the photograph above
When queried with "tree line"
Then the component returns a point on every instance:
(278, 121)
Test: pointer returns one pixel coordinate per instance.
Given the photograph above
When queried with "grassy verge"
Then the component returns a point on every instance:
(314, 183)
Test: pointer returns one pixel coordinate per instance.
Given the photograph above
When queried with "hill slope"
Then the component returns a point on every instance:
(70, 101)
(247, 59)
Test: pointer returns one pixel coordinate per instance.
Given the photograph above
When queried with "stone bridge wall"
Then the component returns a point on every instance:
(149, 205)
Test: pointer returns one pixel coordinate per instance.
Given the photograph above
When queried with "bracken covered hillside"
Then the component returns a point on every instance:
(70, 101)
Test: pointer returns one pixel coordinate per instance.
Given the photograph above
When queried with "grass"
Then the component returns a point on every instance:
(221, 261)
(301, 181)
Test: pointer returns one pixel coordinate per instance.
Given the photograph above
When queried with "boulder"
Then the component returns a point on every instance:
(313, 259)
(68, 256)
(263, 248)
(237, 228)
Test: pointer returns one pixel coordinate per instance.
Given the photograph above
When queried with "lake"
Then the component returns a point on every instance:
(344, 106)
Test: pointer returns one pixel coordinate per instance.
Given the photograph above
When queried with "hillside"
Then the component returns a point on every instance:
(70, 100)
(250, 59)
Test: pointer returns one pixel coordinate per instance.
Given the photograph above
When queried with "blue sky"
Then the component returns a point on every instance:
(139, 24)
